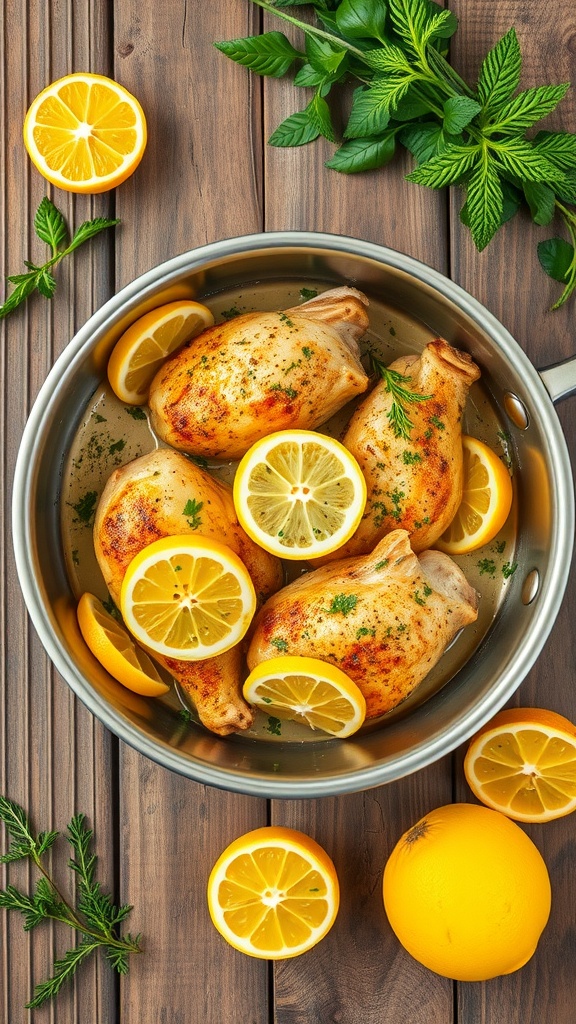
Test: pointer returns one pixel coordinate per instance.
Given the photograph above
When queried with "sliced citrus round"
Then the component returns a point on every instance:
(116, 650)
(486, 500)
(187, 597)
(299, 494)
(273, 893)
(85, 133)
(523, 763)
(307, 690)
(146, 344)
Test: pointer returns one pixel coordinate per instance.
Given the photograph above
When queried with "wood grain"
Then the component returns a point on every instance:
(208, 174)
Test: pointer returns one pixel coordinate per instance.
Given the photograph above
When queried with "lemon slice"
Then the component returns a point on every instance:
(142, 349)
(299, 494)
(273, 893)
(116, 650)
(187, 597)
(523, 763)
(85, 133)
(486, 500)
(307, 690)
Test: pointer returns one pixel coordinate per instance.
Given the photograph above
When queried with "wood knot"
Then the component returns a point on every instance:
(125, 49)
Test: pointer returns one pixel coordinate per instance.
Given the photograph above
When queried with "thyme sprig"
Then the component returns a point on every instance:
(401, 397)
(95, 917)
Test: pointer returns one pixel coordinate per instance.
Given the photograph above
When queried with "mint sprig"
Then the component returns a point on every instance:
(476, 138)
(94, 917)
(50, 227)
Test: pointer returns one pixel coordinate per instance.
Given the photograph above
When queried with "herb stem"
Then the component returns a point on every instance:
(312, 29)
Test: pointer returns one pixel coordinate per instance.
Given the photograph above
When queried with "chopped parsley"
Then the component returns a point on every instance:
(308, 293)
(382, 564)
(274, 726)
(364, 631)
(117, 446)
(289, 392)
(437, 423)
(307, 352)
(487, 567)
(86, 506)
(286, 319)
(192, 509)
(411, 458)
(508, 569)
(229, 314)
(136, 412)
(280, 644)
(344, 603)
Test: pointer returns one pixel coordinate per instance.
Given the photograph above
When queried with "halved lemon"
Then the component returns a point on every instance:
(523, 763)
(307, 690)
(116, 650)
(486, 500)
(299, 494)
(142, 349)
(85, 133)
(187, 597)
(273, 893)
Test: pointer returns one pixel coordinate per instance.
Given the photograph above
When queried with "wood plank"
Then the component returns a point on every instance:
(56, 759)
(199, 181)
(508, 280)
(358, 973)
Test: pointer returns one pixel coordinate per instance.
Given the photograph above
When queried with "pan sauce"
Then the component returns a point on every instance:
(111, 435)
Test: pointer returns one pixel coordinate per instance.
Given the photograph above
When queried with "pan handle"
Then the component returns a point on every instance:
(560, 379)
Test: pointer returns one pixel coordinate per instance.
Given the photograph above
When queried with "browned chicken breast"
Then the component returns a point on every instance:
(261, 372)
(384, 618)
(164, 494)
(415, 482)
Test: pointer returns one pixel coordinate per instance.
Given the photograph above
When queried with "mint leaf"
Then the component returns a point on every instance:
(526, 109)
(484, 203)
(308, 77)
(391, 60)
(423, 140)
(50, 226)
(520, 158)
(556, 256)
(447, 168)
(458, 112)
(270, 54)
(369, 114)
(296, 130)
(319, 116)
(89, 229)
(364, 154)
(46, 283)
(361, 19)
(541, 201)
(559, 147)
(417, 22)
(323, 56)
(500, 72)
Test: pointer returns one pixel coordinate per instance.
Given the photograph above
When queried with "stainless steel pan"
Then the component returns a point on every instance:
(517, 620)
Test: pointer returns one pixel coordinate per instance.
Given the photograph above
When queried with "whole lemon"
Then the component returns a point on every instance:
(467, 893)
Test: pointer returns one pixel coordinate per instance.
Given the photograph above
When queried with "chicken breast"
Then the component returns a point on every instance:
(163, 494)
(261, 372)
(384, 618)
(415, 482)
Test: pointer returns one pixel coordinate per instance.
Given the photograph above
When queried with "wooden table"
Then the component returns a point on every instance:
(207, 174)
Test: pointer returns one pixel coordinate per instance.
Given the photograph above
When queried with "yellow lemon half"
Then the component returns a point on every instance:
(307, 690)
(85, 133)
(523, 763)
(486, 500)
(299, 494)
(142, 349)
(467, 893)
(187, 597)
(116, 650)
(273, 893)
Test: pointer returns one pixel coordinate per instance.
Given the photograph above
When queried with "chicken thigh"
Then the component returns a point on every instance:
(415, 482)
(261, 372)
(163, 494)
(384, 619)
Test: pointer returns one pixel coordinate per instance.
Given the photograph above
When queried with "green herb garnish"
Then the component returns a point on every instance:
(478, 138)
(344, 603)
(50, 227)
(192, 509)
(94, 917)
(280, 644)
(86, 506)
(274, 726)
(401, 397)
(136, 412)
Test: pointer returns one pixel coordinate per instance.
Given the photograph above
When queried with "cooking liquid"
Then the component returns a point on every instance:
(112, 434)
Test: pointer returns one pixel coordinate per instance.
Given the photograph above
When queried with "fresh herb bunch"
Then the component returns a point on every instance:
(50, 227)
(410, 94)
(95, 917)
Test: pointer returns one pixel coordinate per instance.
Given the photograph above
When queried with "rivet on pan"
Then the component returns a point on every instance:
(516, 410)
(530, 586)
